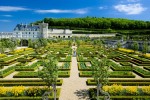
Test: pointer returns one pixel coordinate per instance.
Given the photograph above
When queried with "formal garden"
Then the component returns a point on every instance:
(39, 70)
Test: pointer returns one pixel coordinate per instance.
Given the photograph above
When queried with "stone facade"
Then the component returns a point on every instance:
(24, 31)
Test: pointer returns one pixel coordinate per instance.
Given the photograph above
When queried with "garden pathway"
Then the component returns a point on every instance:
(74, 87)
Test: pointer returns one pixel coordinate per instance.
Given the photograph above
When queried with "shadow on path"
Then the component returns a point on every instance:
(82, 94)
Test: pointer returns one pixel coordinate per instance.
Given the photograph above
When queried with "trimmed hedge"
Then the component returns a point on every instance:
(82, 67)
(26, 82)
(147, 68)
(7, 71)
(143, 73)
(65, 67)
(116, 67)
(28, 68)
(35, 74)
(115, 74)
(125, 82)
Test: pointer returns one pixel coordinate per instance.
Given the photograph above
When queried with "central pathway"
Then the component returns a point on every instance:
(74, 87)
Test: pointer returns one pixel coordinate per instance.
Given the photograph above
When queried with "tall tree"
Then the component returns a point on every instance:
(100, 74)
(49, 73)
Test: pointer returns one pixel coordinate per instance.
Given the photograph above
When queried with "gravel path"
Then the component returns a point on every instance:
(74, 87)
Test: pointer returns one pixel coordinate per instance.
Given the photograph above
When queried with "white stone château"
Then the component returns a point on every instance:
(24, 31)
(37, 31)
(30, 31)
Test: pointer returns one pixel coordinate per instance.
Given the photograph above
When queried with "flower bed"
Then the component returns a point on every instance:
(22, 92)
(126, 50)
(117, 91)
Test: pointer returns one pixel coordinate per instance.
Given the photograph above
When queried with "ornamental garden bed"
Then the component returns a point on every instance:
(22, 93)
(65, 59)
(116, 67)
(64, 66)
(32, 67)
(143, 73)
(117, 92)
(7, 71)
(82, 66)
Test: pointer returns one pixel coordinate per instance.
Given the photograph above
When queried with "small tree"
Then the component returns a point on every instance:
(100, 74)
(135, 46)
(69, 43)
(49, 73)
(118, 44)
(145, 48)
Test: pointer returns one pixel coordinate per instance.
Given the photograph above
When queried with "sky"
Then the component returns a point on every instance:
(13, 12)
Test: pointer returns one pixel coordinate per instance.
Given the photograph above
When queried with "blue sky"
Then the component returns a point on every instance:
(13, 12)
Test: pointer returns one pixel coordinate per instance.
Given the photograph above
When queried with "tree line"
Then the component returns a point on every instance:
(96, 23)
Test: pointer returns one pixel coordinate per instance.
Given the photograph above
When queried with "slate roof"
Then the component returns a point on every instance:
(22, 27)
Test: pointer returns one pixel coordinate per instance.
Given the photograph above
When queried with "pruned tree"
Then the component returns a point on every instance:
(49, 73)
(100, 75)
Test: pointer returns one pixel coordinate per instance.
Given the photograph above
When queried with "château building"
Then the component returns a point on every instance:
(30, 31)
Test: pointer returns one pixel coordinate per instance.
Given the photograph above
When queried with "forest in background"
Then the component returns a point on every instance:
(100, 25)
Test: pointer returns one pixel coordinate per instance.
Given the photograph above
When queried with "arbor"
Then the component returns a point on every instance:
(100, 74)
(49, 73)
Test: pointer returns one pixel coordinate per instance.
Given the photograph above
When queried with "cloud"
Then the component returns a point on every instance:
(77, 11)
(130, 9)
(5, 20)
(102, 7)
(133, 0)
(12, 8)
(7, 15)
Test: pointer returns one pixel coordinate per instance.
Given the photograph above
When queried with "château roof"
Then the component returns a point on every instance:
(25, 27)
